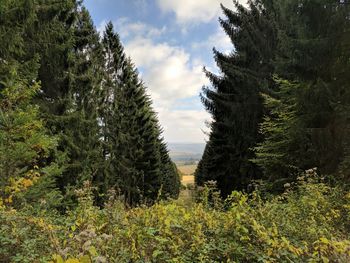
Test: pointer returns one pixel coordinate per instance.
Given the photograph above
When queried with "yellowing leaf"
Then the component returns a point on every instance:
(92, 251)
(27, 183)
(57, 259)
(85, 259)
(9, 200)
(324, 240)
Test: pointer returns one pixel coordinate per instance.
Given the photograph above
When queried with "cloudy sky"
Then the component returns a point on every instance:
(169, 41)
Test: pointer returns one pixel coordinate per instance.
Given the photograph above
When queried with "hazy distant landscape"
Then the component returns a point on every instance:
(186, 152)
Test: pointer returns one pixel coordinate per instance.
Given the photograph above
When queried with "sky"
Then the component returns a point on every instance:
(170, 41)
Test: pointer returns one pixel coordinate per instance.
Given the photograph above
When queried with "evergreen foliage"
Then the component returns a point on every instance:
(283, 134)
(135, 151)
(16, 18)
(313, 51)
(25, 145)
(91, 99)
(305, 124)
(81, 131)
(234, 99)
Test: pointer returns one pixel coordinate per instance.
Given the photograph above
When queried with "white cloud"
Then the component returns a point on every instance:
(168, 71)
(188, 11)
(170, 74)
(101, 27)
(188, 126)
(125, 28)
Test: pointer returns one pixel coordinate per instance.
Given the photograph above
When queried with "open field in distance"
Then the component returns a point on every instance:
(187, 172)
(187, 169)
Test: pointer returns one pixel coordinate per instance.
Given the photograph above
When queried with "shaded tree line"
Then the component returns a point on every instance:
(280, 104)
(74, 109)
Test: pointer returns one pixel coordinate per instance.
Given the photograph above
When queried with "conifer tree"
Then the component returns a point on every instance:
(25, 146)
(28, 148)
(52, 42)
(313, 51)
(170, 175)
(16, 18)
(71, 75)
(131, 132)
(66, 46)
(91, 98)
(234, 99)
(284, 138)
(81, 136)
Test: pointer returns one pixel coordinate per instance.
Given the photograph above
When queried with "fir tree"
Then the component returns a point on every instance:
(131, 133)
(81, 135)
(234, 99)
(170, 175)
(91, 98)
(25, 147)
(284, 138)
(16, 18)
(313, 51)
(65, 45)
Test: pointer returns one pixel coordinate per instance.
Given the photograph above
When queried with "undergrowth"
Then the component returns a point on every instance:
(310, 222)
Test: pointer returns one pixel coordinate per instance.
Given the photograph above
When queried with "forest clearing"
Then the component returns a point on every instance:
(174, 131)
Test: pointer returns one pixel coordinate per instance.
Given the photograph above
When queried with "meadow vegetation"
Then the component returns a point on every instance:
(309, 222)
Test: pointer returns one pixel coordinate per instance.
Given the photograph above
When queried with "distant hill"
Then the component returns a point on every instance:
(186, 152)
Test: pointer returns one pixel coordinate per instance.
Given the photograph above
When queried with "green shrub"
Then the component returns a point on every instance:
(308, 223)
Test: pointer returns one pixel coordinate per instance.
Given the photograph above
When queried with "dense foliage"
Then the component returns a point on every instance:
(234, 99)
(314, 52)
(308, 223)
(80, 103)
(85, 174)
(25, 146)
(138, 161)
(281, 102)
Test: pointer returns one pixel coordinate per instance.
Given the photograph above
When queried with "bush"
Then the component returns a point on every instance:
(308, 223)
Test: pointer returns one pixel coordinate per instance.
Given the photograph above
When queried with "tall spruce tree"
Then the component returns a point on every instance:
(16, 18)
(81, 134)
(28, 149)
(52, 40)
(234, 99)
(91, 98)
(283, 136)
(66, 46)
(314, 52)
(135, 153)
(70, 71)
